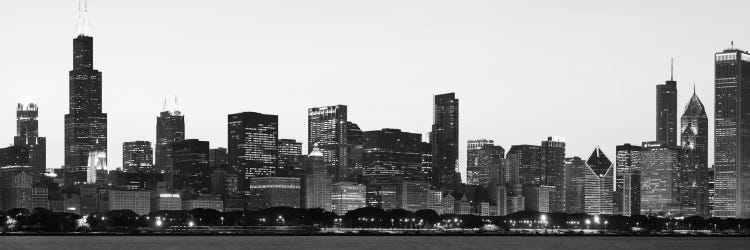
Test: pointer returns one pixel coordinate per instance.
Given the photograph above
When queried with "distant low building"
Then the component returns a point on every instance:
(166, 201)
(203, 202)
(137, 201)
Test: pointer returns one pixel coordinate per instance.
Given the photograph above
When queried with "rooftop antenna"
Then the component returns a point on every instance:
(164, 104)
(731, 43)
(175, 103)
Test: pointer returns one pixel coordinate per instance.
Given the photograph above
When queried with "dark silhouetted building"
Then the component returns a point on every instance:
(85, 124)
(217, 157)
(327, 127)
(575, 178)
(392, 153)
(290, 158)
(666, 112)
(553, 167)
(190, 163)
(355, 140)
(444, 141)
(137, 156)
(27, 135)
(170, 128)
(253, 144)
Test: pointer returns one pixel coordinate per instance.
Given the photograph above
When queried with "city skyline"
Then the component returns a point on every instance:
(202, 122)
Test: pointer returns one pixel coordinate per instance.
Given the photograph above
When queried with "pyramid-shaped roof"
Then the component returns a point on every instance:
(598, 162)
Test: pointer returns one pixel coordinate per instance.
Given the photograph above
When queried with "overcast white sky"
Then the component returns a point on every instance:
(523, 70)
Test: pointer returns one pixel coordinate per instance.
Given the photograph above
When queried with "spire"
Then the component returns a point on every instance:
(693, 88)
(82, 23)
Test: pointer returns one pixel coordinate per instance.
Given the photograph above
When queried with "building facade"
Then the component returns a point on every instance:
(137, 156)
(666, 112)
(693, 175)
(27, 135)
(170, 128)
(253, 144)
(444, 141)
(732, 134)
(85, 124)
(327, 127)
(599, 184)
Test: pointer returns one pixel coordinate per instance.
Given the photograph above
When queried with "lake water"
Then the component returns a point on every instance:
(367, 242)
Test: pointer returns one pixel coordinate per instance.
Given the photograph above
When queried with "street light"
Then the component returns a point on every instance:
(588, 222)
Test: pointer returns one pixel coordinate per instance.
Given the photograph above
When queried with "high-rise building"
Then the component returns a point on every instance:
(627, 163)
(444, 141)
(575, 179)
(27, 135)
(391, 152)
(355, 139)
(217, 157)
(290, 158)
(486, 169)
(538, 198)
(693, 188)
(137, 156)
(190, 163)
(553, 167)
(732, 134)
(472, 151)
(327, 127)
(528, 163)
(170, 128)
(599, 184)
(659, 178)
(316, 184)
(347, 196)
(85, 124)
(666, 112)
(133, 200)
(253, 144)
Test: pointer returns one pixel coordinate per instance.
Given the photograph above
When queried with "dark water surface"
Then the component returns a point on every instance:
(367, 242)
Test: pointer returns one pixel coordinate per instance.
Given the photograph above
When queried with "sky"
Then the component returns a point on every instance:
(523, 70)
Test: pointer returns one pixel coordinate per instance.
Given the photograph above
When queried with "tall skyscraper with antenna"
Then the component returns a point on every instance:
(85, 124)
(666, 111)
(170, 128)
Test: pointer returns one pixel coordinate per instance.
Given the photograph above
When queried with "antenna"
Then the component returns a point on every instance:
(731, 43)
(164, 105)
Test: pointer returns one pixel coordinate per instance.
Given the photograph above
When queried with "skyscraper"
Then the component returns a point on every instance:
(666, 112)
(529, 164)
(627, 179)
(487, 166)
(170, 128)
(137, 156)
(599, 184)
(574, 181)
(355, 140)
(553, 164)
(732, 134)
(472, 149)
(327, 127)
(659, 178)
(290, 158)
(444, 140)
(315, 185)
(253, 144)
(694, 170)
(217, 157)
(391, 153)
(190, 162)
(27, 135)
(85, 124)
